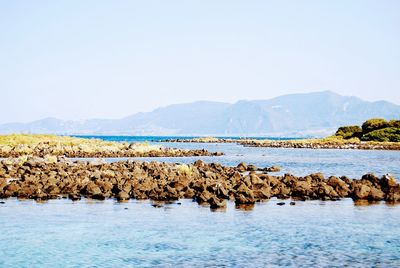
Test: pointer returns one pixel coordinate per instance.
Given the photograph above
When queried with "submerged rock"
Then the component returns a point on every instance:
(123, 196)
(272, 169)
(215, 202)
(74, 196)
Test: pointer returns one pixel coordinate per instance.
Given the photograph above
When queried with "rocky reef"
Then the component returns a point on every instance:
(333, 142)
(123, 150)
(327, 143)
(213, 184)
(203, 140)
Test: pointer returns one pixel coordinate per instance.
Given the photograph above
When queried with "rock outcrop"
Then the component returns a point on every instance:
(213, 184)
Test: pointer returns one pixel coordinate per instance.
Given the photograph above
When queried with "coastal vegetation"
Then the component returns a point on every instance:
(17, 145)
(349, 132)
(376, 129)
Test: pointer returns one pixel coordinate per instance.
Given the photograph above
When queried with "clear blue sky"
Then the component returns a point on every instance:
(108, 59)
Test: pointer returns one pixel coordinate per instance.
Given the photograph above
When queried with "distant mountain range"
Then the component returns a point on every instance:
(310, 114)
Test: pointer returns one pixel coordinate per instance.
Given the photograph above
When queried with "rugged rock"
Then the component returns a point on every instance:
(376, 194)
(361, 191)
(272, 169)
(215, 202)
(305, 143)
(321, 144)
(242, 167)
(393, 195)
(199, 163)
(339, 185)
(251, 168)
(388, 182)
(213, 184)
(123, 196)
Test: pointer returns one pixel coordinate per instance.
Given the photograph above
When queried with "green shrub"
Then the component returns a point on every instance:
(374, 124)
(394, 123)
(349, 132)
(389, 134)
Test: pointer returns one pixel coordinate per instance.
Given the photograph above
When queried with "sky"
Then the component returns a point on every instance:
(109, 59)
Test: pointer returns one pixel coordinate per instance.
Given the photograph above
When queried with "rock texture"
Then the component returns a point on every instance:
(322, 145)
(83, 151)
(212, 184)
(305, 143)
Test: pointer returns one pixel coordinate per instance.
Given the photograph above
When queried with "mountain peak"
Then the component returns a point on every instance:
(286, 115)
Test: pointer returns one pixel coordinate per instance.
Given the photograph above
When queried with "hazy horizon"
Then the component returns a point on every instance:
(97, 59)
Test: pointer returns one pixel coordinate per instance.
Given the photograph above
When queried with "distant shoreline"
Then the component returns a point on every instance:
(323, 143)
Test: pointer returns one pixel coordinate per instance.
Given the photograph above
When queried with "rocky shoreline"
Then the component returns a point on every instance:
(306, 143)
(322, 145)
(212, 184)
(115, 150)
(204, 140)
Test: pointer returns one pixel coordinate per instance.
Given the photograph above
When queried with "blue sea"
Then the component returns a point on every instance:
(300, 162)
(88, 233)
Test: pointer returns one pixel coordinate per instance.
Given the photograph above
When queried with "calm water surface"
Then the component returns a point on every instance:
(62, 233)
(300, 162)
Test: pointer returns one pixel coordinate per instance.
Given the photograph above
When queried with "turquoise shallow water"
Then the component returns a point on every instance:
(62, 233)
